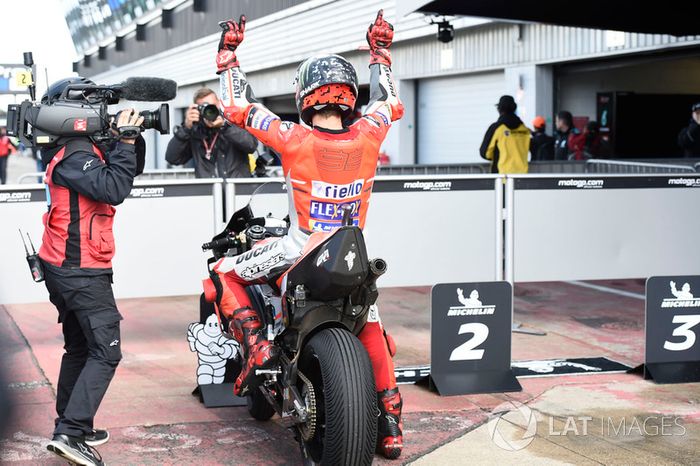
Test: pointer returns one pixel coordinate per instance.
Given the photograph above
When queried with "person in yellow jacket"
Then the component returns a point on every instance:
(507, 141)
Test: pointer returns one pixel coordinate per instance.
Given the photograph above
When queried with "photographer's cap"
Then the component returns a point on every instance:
(696, 107)
(507, 103)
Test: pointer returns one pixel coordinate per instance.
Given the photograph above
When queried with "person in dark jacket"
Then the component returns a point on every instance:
(564, 129)
(541, 145)
(588, 145)
(84, 182)
(689, 137)
(507, 141)
(219, 150)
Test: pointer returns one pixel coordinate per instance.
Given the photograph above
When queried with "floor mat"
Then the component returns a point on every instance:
(534, 368)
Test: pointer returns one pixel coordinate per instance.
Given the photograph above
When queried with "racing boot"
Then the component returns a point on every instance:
(258, 352)
(389, 425)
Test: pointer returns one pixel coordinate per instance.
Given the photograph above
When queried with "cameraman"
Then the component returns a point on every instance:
(84, 182)
(218, 150)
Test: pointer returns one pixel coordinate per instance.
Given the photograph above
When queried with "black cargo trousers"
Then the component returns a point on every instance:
(90, 319)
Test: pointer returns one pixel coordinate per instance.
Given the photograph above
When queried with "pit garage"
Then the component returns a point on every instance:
(641, 101)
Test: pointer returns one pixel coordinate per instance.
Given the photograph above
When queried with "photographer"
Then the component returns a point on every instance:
(219, 150)
(84, 182)
(689, 137)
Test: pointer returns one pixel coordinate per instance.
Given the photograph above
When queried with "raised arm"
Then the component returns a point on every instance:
(239, 106)
(383, 95)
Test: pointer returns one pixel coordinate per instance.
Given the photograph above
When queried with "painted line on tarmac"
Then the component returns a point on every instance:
(606, 289)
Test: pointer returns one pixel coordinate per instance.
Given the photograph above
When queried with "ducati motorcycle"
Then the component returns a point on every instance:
(323, 387)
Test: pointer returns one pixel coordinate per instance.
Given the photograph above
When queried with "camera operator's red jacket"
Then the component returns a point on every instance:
(81, 190)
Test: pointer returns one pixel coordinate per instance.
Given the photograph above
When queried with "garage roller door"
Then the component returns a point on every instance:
(453, 115)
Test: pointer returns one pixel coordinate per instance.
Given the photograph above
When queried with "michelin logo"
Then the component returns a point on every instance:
(15, 197)
(687, 182)
(428, 185)
(147, 192)
(683, 297)
(471, 306)
(322, 190)
(548, 366)
(581, 184)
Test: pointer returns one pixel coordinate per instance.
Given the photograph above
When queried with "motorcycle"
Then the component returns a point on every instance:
(323, 387)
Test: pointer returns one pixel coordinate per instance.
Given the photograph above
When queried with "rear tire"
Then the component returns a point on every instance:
(258, 406)
(340, 371)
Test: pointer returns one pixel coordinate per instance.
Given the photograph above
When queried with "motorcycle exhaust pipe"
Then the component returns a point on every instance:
(377, 267)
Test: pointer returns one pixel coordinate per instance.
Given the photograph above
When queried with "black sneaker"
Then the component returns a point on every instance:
(74, 450)
(97, 437)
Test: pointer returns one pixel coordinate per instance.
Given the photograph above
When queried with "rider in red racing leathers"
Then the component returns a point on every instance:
(326, 165)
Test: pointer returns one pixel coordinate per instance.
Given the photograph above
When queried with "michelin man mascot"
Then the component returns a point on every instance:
(212, 348)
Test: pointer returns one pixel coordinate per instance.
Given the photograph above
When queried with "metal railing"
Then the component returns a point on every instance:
(34, 175)
(549, 166)
(441, 169)
(167, 174)
(557, 166)
(620, 166)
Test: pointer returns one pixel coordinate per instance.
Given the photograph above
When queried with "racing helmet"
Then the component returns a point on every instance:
(323, 81)
(55, 90)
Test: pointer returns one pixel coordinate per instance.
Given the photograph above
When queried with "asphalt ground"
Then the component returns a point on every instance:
(614, 418)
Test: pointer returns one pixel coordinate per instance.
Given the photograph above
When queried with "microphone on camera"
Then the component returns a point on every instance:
(147, 89)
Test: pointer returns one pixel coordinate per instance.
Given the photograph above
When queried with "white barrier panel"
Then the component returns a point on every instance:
(601, 227)
(429, 229)
(159, 231)
(21, 206)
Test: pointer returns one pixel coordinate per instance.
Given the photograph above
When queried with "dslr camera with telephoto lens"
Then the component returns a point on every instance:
(209, 112)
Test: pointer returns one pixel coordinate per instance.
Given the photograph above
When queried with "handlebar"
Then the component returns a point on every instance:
(222, 243)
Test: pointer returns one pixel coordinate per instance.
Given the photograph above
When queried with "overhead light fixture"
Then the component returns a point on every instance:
(446, 32)
(199, 6)
(140, 33)
(167, 19)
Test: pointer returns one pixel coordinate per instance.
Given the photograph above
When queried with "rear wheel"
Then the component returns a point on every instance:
(342, 402)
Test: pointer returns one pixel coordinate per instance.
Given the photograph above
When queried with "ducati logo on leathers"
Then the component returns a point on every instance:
(256, 252)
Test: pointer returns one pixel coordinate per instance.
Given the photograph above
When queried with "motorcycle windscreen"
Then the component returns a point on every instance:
(334, 268)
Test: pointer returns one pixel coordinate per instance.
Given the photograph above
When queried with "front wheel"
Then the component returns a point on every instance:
(342, 401)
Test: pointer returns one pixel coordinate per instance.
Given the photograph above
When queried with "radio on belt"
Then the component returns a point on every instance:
(35, 267)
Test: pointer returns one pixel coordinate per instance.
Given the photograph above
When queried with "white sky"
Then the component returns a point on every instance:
(37, 26)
